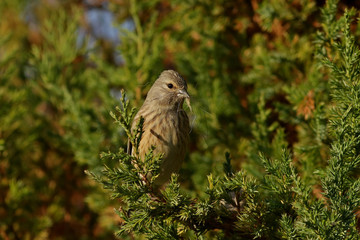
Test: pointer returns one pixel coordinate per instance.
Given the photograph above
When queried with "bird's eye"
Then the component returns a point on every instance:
(170, 85)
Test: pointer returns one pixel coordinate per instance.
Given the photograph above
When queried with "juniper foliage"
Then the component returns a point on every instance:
(293, 193)
(274, 150)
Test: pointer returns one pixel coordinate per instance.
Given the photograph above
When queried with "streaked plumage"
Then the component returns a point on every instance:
(166, 124)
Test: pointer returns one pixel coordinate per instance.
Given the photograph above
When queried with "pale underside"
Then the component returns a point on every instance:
(168, 130)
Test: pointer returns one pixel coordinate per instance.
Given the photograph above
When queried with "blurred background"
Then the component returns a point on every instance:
(63, 64)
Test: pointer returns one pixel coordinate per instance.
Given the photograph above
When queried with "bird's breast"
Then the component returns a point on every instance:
(167, 131)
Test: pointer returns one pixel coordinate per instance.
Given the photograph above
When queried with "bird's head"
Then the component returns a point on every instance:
(170, 89)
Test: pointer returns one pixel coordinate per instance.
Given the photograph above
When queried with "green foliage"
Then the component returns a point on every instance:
(275, 140)
(53, 125)
(283, 202)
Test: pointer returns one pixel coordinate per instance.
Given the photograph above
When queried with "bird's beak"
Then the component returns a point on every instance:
(183, 93)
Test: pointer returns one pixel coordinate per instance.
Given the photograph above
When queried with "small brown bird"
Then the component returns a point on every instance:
(166, 124)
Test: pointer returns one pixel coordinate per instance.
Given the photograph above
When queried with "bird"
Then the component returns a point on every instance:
(166, 124)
